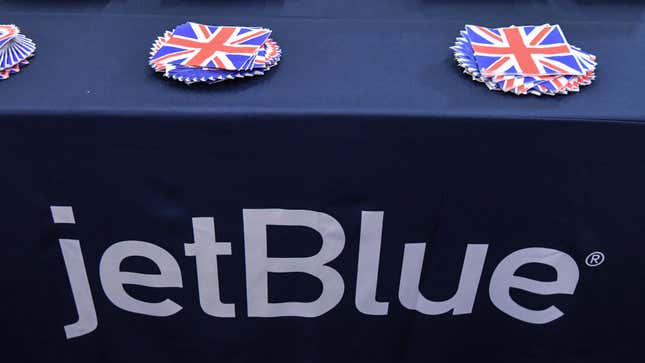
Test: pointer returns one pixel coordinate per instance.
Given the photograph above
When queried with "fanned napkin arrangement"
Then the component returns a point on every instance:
(15, 50)
(524, 59)
(195, 52)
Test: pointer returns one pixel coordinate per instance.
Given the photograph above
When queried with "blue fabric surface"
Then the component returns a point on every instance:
(367, 111)
(385, 57)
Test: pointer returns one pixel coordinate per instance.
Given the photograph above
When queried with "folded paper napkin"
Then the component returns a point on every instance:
(15, 50)
(524, 59)
(195, 52)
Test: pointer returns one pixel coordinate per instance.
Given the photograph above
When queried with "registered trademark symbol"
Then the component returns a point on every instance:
(595, 259)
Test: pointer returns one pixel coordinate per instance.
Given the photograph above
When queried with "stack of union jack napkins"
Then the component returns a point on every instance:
(204, 53)
(15, 50)
(524, 59)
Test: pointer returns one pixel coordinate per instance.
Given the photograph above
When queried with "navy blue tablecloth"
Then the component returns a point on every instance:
(366, 112)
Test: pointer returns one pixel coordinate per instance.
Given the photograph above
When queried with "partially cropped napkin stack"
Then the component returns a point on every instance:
(195, 52)
(15, 50)
(524, 59)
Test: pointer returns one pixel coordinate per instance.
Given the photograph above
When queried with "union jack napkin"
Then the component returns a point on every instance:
(195, 52)
(15, 50)
(524, 59)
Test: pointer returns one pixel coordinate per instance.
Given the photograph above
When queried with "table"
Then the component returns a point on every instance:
(365, 147)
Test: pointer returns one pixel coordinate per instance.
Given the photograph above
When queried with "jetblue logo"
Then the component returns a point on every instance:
(206, 250)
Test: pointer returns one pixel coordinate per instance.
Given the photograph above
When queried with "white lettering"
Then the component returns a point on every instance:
(368, 262)
(87, 321)
(77, 275)
(461, 302)
(504, 279)
(258, 264)
(206, 249)
(113, 279)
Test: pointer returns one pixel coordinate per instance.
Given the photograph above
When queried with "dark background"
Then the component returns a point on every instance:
(367, 111)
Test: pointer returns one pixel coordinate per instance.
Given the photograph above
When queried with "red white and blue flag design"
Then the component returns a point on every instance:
(223, 47)
(7, 32)
(524, 59)
(527, 50)
(15, 50)
(202, 53)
